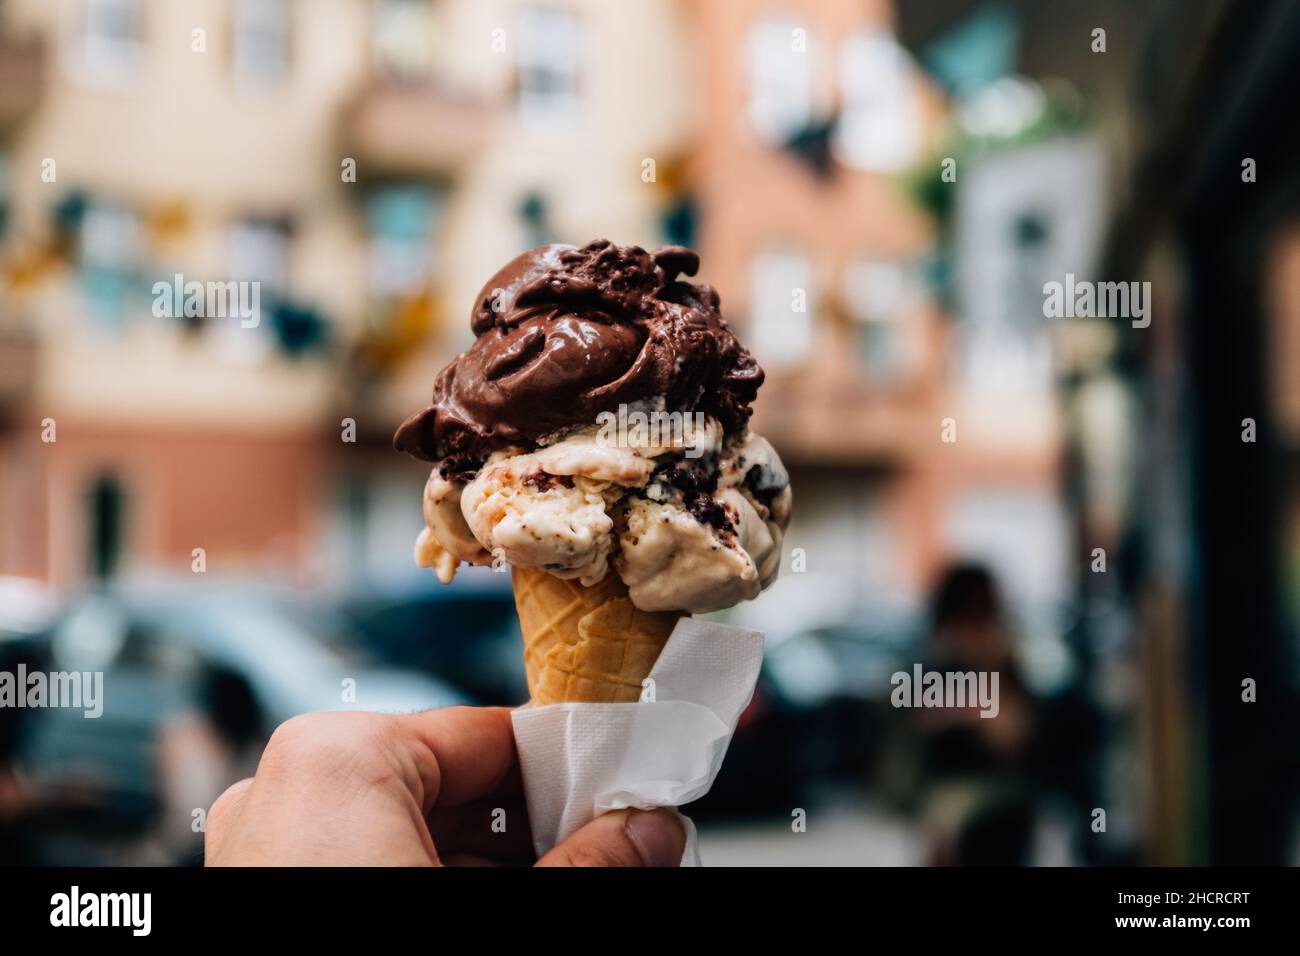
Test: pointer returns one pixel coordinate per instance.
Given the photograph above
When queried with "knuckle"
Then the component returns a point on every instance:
(295, 731)
(223, 806)
(318, 738)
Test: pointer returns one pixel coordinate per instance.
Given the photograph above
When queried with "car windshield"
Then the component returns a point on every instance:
(271, 632)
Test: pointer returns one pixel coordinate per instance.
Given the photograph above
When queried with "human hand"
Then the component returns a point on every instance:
(362, 789)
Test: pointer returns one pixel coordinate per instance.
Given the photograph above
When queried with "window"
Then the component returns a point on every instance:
(1021, 533)
(781, 308)
(877, 293)
(107, 46)
(400, 220)
(535, 216)
(258, 253)
(780, 80)
(1031, 217)
(550, 44)
(853, 527)
(404, 34)
(109, 253)
(260, 44)
(879, 126)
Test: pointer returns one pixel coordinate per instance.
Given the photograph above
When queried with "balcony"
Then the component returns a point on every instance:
(832, 410)
(413, 129)
(816, 421)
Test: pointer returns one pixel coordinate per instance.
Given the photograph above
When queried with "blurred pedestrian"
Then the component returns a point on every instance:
(977, 800)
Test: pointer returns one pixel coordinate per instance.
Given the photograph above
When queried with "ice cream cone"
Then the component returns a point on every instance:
(586, 644)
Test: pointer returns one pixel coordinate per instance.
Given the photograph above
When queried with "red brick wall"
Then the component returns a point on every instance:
(253, 501)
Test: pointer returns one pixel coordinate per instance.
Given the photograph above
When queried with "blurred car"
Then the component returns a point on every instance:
(809, 723)
(294, 657)
(776, 757)
(794, 731)
(242, 658)
(26, 607)
(466, 633)
(812, 721)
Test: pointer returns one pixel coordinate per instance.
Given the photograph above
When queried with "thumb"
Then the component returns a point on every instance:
(623, 838)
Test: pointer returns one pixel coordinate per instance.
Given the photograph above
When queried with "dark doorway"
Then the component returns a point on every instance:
(107, 519)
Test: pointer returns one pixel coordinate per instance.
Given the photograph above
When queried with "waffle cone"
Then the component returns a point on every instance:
(586, 644)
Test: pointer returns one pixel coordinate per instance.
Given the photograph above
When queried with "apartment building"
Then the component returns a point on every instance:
(363, 165)
(906, 458)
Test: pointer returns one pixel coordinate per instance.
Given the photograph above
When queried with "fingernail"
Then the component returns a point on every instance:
(657, 835)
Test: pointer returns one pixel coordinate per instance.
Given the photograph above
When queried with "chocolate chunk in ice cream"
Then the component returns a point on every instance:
(565, 333)
(698, 488)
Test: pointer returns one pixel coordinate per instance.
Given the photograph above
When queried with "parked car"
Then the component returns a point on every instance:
(240, 659)
(294, 657)
(814, 714)
(466, 634)
(26, 607)
(810, 721)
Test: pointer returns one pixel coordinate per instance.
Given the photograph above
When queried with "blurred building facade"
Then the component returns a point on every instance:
(1213, 535)
(366, 164)
(368, 188)
(173, 140)
(812, 115)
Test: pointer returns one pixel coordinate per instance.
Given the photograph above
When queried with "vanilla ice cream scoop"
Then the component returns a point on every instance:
(689, 548)
(692, 534)
(446, 539)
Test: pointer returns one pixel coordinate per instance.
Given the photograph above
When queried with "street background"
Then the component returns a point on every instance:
(1105, 510)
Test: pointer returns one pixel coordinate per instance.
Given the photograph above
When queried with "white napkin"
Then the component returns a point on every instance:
(580, 760)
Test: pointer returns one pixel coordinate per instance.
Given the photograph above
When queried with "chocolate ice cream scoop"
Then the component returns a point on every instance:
(565, 333)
